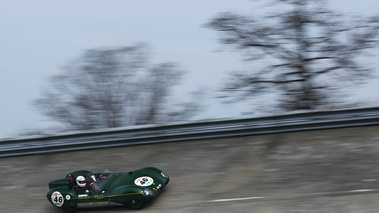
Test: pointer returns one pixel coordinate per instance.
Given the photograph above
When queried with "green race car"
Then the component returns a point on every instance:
(133, 189)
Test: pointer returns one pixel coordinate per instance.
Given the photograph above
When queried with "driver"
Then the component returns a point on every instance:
(81, 181)
(82, 186)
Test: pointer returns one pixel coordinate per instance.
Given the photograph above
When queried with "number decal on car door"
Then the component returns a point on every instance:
(57, 199)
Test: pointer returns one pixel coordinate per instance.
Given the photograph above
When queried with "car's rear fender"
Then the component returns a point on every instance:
(62, 197)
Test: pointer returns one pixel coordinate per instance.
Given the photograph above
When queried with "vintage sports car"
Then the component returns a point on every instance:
(134, 188)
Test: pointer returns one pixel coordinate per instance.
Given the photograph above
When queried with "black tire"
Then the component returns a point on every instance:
(135, 204)
(70, 209)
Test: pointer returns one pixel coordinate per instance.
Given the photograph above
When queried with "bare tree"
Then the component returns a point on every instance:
(112, 87)
(301, 51)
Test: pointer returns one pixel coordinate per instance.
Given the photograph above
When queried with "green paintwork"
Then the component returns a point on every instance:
(115, 187)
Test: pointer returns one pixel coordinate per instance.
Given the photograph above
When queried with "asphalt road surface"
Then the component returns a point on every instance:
(314, 171)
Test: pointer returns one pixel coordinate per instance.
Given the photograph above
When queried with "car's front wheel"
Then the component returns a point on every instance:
(135, 204)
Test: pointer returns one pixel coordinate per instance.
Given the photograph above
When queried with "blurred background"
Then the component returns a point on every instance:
(64, 63)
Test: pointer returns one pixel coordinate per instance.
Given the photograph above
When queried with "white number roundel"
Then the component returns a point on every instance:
(57, 199)
(144, 181)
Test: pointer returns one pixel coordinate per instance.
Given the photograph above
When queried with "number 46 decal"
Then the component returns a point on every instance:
(57, 199)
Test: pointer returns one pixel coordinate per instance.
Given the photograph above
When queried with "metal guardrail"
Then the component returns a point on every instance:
(191, 131)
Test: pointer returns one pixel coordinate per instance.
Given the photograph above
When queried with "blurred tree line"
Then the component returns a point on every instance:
(115, 87)
(301, 51)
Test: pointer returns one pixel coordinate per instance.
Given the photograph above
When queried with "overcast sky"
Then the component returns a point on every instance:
(40, 36)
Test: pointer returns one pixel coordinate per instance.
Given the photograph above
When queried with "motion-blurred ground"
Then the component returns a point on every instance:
(312, 171)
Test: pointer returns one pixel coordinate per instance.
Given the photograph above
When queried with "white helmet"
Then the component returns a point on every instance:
(81, 181)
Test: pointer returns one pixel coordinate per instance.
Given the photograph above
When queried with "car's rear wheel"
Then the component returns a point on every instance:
(70, 209)
(135, 204)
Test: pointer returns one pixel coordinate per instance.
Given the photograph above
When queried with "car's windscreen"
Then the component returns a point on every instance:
(100, 179)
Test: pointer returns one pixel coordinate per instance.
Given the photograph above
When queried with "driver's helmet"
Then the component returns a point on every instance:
(81, 181)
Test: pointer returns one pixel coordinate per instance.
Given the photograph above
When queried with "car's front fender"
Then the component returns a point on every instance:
(124, 193)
